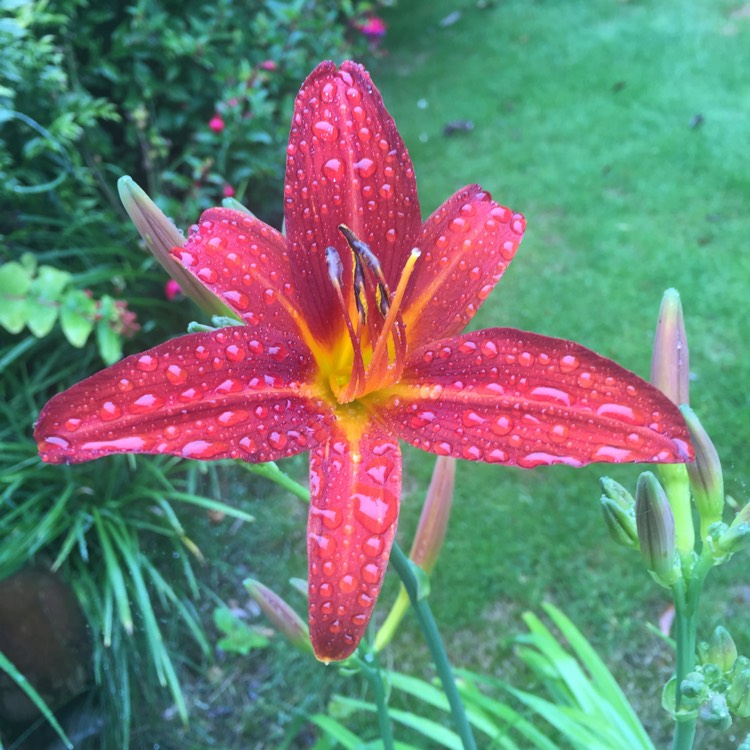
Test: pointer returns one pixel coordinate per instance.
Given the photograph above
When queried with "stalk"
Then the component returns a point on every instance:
(431, 634)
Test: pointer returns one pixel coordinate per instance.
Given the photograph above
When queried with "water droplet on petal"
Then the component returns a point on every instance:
(146, 363)
(568, 363)
(374, 512)
(229, 418)
(277, 440)
(347, 583)
(333, 169)
(325, 131)
(202, 449)
(558, 433)
(586, 380)
(353, 95)
(502, 425)
(109, 411)
(207, 275)
(612, 454)
(327, 92)
(373, 546)
(371, 573)
(146, 403)
(176, 375)
(72, 424)
(235, 353)
(366, 167)
(621, 412)
(238, 300)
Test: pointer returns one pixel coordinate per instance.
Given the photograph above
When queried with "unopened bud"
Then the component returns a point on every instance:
(281, 615)
(738, 695)
(693, 691)
(655, 525)
(714, 712)
(706, 479)
(436, 511)
(160, 236)
(670, 371)
(618, 509)
(735, 538)
(721, 649)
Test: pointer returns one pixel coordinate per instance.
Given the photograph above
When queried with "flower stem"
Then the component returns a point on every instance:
(431, 634)
(686, 595)
(371, 670)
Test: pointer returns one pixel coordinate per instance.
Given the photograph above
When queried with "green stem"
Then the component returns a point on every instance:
(427, 624)
(271, 471)
(686, 597)
(371, 670)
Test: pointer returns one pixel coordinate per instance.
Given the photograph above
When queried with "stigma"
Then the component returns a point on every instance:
(372, 313)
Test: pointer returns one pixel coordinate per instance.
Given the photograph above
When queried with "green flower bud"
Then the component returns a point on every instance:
(281, 615)
(656, 534)
(620, 523)
(715, 712)
(721, 649)
(738, 695)
(734, 539)
(616, 492)
(706, 479)
(693, 689)
(160, 236)
(670, 371)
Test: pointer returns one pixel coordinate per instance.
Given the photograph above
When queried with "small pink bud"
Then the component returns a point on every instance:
(172, 289)
(228, 191)
(216, 123)
(269, 65)
(374, 28)
(233, 102)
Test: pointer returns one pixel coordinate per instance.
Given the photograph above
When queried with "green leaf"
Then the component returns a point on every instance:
(108, 341)
(44, 299)
(239, 637)
(77, 317)
(14, 285)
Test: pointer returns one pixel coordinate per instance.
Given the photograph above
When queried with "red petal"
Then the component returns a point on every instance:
(512, 397)
(225, 394)
(466, 246)
(346, 164)
(355, 487)
(245, 263)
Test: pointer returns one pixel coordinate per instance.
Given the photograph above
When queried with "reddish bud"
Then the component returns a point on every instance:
(228, 191)
(269, 65)
(281, 615)
(433, 522)
(670, 368)
(172, 289)
(216, 123)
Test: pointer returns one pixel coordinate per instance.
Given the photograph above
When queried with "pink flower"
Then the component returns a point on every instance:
(172, 289)
(228, 191)
(373, 28)
(269, 65)
(216, 123)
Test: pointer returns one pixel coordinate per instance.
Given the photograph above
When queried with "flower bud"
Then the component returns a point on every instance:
(732, 540)
(706, 480)
(655, 525)
(281, 615)
(738, 695)
(618, 509)
(714, 712)
(721, 649)
(160, 236)
(436, 511)
(216, 123)
(670, 371)
(693, 691)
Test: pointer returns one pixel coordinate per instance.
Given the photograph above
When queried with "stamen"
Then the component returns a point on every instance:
(336, 274)
(392, 324)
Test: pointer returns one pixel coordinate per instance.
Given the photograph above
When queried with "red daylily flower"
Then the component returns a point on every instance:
(353, 342)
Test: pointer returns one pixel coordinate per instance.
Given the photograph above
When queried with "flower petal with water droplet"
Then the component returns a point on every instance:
(511, 397)
(355, 485)
(344, 147)
(466, 246)
(258, 408)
